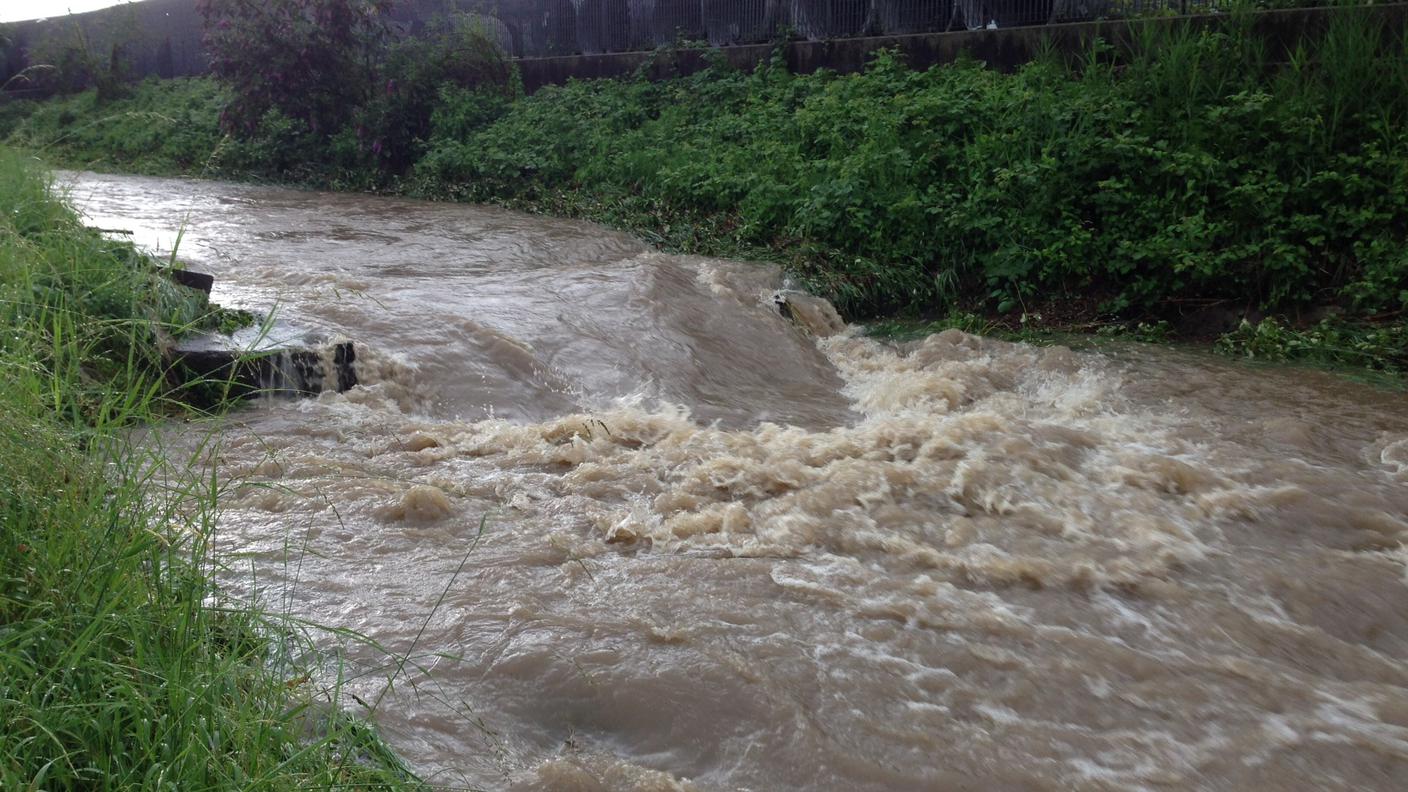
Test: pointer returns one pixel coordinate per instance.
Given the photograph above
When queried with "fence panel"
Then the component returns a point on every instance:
(543, 28)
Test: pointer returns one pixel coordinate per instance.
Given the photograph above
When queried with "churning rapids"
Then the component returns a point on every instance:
(721, 554)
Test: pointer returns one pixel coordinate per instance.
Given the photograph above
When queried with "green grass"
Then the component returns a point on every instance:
(162, 127)
(121, 665)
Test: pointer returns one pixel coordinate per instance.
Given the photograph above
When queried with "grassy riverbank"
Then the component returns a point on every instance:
(1194, 181)
(121, 666)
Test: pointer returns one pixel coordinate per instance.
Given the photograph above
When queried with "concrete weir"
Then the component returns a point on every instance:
(271, 359)
(303, 365)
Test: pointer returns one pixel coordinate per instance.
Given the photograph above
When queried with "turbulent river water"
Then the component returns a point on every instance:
(718, 553)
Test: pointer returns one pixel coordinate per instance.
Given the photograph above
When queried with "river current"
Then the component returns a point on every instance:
(678, 543)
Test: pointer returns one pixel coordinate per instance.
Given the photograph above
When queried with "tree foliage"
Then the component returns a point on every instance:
(457, 51)
(68, 59)
(335, 85)
(309, 60)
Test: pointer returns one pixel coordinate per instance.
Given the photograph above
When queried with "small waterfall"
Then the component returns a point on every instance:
(307, 371)
(212, 367)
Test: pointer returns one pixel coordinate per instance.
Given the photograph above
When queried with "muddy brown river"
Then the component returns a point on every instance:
(718, 553)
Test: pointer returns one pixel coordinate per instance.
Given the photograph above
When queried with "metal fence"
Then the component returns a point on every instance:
(543, 28)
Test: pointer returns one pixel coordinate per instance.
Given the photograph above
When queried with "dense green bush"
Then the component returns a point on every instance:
(13, 112)
(1193, 167)
(456, 54)
(1190, 164)
(332, 91)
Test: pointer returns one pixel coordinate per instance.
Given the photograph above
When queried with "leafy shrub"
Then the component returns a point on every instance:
(327, 90)
(1192, 165)
(70, 57)
(13, 112)
(457, 54)
(1334, 342)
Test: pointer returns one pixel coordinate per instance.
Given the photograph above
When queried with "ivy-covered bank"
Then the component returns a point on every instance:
(121, 666)
(1185, 183)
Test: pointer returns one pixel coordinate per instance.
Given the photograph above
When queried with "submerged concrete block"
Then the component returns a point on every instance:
(192, 280)
(210, 371)
(269, 360)
(814, 314)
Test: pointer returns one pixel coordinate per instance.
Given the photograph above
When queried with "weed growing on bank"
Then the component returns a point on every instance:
(1328, 343)
(121, 666)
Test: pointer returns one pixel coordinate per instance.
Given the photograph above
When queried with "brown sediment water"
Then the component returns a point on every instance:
(719, 553)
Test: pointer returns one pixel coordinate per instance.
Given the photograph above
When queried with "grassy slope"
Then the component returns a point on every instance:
(166, 127)
(120, 666)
